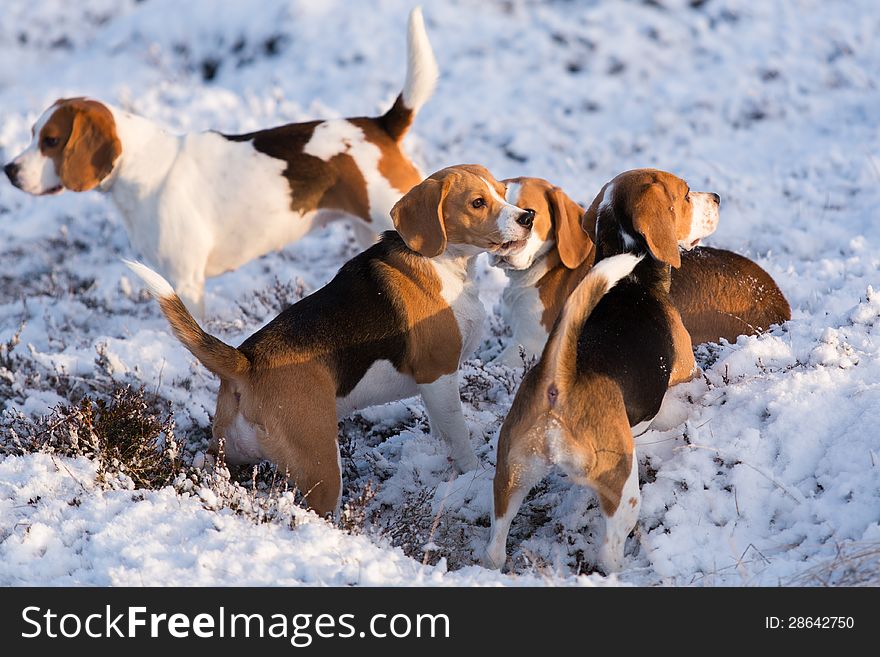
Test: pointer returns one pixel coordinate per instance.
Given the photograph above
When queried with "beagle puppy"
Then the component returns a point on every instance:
(397, 320)
(719, 294)
(618, 345)
(230, 198)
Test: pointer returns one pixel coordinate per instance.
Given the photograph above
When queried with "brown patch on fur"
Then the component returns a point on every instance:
(632, 502)
(433, 339)
(349, 191)
(721, 294)
(309, 177)
(683, 363)
(87, 143)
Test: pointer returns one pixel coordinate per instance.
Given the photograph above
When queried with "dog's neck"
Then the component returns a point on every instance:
(650, 272)
(457, 261)
(540, 267)
(148, 153)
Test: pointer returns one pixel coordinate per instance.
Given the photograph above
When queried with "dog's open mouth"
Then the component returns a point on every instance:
(507, 248)
(57, 189)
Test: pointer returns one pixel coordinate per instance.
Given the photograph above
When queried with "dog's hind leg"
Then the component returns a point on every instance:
(303, 438)
(620, 519)
(521, 464)
(607, 464)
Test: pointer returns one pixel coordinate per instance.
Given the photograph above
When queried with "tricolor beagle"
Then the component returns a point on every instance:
(397, 320)
(719, 294)
(202, 204)
(618, 345)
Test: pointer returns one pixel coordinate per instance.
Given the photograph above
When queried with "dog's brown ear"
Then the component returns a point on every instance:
(91, 148)
(653, 218)
(418, 216)
(588, 220)
(572, 241)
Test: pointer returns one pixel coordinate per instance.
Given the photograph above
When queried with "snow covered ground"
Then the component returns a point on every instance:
(764, 473)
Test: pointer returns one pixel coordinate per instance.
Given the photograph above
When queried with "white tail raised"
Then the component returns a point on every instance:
(421, 67)
(561, 349)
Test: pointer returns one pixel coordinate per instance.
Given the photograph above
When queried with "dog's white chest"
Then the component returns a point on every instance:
(460, 291)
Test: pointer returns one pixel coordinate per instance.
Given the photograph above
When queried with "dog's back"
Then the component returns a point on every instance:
(627, 340)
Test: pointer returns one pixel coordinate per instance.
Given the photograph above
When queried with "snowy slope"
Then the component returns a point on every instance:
(763, 473)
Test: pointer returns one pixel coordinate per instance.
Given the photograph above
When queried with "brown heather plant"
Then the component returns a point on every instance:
(128, 434)
(855, 564)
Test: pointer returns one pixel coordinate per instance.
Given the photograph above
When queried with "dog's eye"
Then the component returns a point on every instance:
(687, 197)
(478, 202)
(50, 142)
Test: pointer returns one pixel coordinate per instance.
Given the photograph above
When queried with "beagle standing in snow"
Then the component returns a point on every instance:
(618, 345)
(719, 294)
(397, 320)
(202, 204)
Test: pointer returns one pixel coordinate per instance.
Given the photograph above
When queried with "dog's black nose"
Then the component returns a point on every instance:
(716, 198)
(526, 219)
(11, 171)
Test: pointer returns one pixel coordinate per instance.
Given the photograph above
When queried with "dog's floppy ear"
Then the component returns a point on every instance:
(652, 217)
(418, 216)
(91, 148)
(588, 220)
(573, 243)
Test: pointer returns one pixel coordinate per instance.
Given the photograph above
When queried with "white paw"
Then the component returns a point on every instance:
(611, 557)
(494, 557)
(509, 357)
(467, 463)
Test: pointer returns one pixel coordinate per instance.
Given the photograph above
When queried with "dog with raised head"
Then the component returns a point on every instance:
(397, 320)
(617, 346)
(198, 205)
(718, 293)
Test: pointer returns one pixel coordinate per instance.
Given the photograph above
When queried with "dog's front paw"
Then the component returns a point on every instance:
(493, 559)
(509, 357)
(611, 557)
(466, 463)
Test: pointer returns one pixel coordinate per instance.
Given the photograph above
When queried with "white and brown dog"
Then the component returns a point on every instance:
(397, 320)
(198, 205)
(718, 293)
(618, 345)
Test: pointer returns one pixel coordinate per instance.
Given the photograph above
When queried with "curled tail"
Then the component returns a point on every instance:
(222, 359)
(421, 78)
(561, 350)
